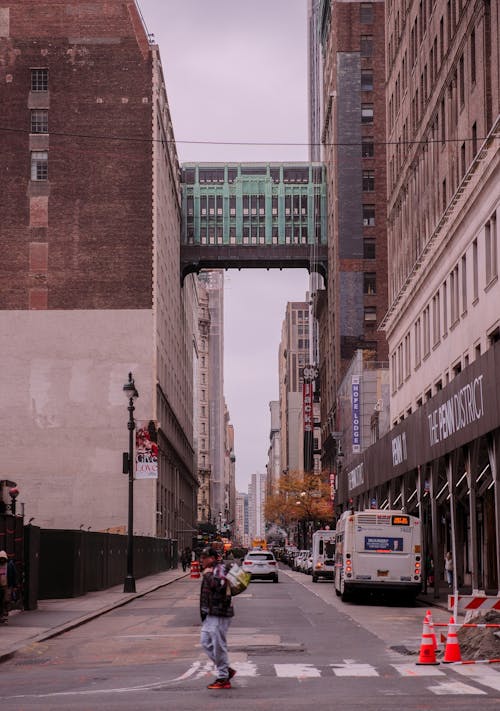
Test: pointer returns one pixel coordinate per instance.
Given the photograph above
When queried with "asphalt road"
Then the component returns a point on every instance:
(293, 644)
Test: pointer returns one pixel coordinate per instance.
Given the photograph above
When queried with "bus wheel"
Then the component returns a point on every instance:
(344, 596)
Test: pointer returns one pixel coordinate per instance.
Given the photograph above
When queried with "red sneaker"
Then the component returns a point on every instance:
(220, 684)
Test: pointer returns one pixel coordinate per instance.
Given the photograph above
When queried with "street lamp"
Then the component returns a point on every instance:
(131, 393)
(13, 493)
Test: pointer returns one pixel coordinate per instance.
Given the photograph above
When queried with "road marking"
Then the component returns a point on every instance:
(349, 668)
(482, 675)
(411, 669)
(298, 671)
(455, 688)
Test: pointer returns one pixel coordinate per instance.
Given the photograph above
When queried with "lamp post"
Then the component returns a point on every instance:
(130, 391)
(13, 493)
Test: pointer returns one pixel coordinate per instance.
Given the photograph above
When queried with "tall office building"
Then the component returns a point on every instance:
(293, 356)
(351, 36)
(256, 503)
(213, 394)
(202, 406)
(443, 111)
(274, 470)
(315, 74)
(241, 537)
(440, 457)
(91, 224)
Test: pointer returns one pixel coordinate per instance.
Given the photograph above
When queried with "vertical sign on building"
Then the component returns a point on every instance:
(356, 422)
(307, 409)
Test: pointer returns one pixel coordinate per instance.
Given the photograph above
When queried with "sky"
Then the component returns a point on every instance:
(236, 72)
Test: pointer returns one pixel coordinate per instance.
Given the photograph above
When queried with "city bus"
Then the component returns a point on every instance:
(378, 550)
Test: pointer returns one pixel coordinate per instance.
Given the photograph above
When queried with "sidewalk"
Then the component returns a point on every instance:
(52, 617)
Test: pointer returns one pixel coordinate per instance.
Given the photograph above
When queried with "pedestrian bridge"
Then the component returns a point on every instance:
(253, 215)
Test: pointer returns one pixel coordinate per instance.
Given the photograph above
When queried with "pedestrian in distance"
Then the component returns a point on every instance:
(216, 611)
(448, 568)
(4, 613)
(185, 558)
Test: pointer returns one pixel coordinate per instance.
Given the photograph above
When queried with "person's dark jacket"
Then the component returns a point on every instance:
(215, 595)
(11, 574)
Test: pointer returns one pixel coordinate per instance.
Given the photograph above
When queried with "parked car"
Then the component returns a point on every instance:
(261, 564)
(300, 560)
(308, 564)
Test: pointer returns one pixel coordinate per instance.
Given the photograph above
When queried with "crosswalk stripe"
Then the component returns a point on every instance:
(298, 671)
(354, 669)
(482, 675)
(412, 670)
(455, 688)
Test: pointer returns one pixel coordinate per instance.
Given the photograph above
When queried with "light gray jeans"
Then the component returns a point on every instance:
(213, 640)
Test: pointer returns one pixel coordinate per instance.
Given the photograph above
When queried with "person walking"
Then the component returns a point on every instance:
(4, 613)
(448, 568)
(216, 611)
(186, 558)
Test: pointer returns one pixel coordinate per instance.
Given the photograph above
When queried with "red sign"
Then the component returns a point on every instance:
(307, 406)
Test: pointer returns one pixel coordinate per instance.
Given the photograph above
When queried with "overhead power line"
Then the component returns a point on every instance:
(141, 139)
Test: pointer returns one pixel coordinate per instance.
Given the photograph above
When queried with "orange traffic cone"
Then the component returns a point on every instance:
(452, 649)
(431, 629)
(427, 651)
(195, 569)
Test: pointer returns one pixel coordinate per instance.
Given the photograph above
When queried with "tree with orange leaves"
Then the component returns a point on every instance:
(299, 496)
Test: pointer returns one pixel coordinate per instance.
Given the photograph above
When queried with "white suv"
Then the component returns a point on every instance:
(261, 564)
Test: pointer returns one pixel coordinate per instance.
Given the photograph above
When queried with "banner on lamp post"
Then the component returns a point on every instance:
(146, 450)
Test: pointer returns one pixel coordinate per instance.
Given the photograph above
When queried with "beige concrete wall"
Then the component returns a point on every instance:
(64, 426)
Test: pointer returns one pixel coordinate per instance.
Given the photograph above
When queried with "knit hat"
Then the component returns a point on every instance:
(3, 554)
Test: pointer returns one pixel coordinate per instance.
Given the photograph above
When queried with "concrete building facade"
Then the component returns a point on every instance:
(93, 269)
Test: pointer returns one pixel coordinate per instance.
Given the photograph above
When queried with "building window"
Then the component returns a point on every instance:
(473, 57)
(368, 181)
(370, 315)
(368, 249)
(369, 283)
(427, 331)
(39, 80)
(436, 319)
(366, 45)
(490, 246)
(474, 139)
(368, 215)
(366, 113)
(39, 165)
(418, 350)
(366, 80)
(475, 272)
(366, 13)
(39, 121)
(464, 284)
(367, 147)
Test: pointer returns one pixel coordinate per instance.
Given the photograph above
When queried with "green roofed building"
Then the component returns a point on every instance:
(253, 215)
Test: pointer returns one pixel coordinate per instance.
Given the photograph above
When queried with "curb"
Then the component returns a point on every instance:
(77, 622)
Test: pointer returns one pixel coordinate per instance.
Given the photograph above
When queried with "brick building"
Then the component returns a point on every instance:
(91, 289)
(353, 136)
